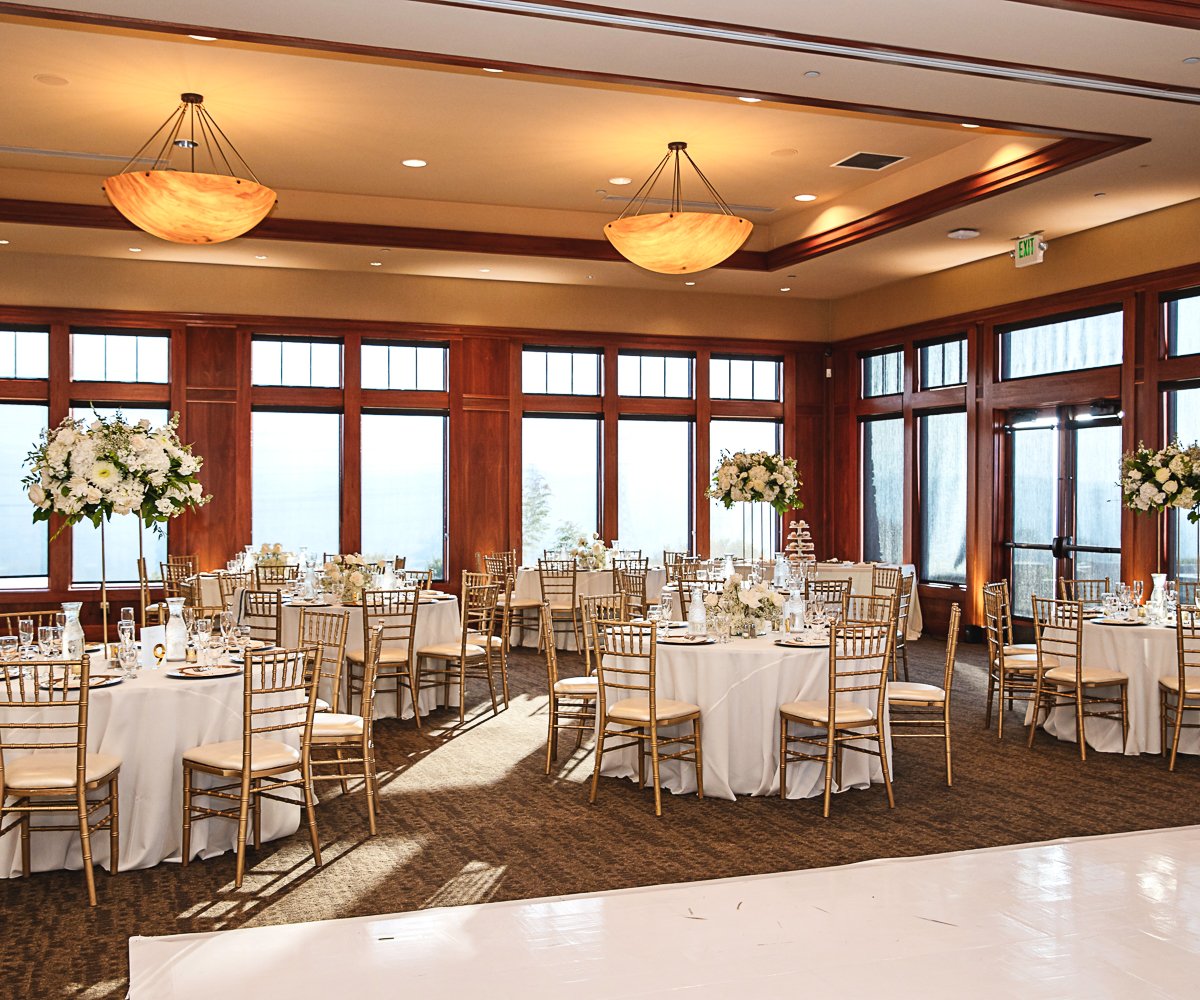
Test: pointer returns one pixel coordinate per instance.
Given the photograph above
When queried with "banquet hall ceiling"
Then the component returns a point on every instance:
(1086, 119)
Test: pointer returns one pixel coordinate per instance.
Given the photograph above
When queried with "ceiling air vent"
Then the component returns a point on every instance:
(869, 161)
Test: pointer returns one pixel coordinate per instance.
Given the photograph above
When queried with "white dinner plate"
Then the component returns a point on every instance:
(803, 643)
(308, 604)
(94, 681)
(1116, 621)
(203, 673)
(686, 640)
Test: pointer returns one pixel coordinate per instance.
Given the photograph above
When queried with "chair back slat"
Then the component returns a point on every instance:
(279, 692)
(559, 580)
(278, 575)
(44, 706)
(1058, 632)
(261, 610)
(1187, 647)
(831, 593)
(396, 612)
(599, 607)
(1088, 591)
(636, 644)
(231, 583)
(885, 580)
(327, 631)
(10, 621)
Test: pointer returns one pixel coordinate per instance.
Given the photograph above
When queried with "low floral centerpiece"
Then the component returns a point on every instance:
(755, 604)
(757, 477)
(590, 553)
(1155, 481)
(271, 554)
(346, 577)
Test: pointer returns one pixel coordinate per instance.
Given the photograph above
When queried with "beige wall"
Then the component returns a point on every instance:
(99, 283)
(1155, 241)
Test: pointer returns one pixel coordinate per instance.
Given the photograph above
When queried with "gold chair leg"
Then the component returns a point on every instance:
(949, 772)
(782, 756)
(414, 688)
(552, 734)
(599, 753)
(883, 761)
(1124, 717)
(1079, 723)
(654, 769)
(1000, 708)
(1178, 727)
(310, 810)
(987, 716)
(85, 843)
(243, 809)
(341, 769)
(699, 759)
(829, 741)
(26, 856)
(114, 831)
(256, 803)
(368, 784)
(186, 849)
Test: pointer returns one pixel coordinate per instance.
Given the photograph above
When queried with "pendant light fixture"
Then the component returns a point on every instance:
(676, 242)
(191, 206)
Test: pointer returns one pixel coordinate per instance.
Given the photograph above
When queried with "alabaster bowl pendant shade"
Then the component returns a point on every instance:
(190, 205)
(676, 242)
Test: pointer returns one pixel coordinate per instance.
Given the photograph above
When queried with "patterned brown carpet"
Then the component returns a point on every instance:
(469, 816)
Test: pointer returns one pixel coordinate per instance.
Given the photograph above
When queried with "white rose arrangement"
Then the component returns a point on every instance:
(95, 470)
(757, 477)
(1155, 481)
(346, 577)
(272, 554)
(590, 553)
(744, 604)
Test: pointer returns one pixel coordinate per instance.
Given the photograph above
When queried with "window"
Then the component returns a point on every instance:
(403, 366)
(296, 479)
(119, 355)
(1062, 345)
(943, 364)
(560, 493)
(655, 473)
(943, 505)
(296, 361)
(745, 378)
(1183, 422)
(727, 528)
(654, 375)
(122, 531)
(883, 373)
(1181, 316)
(24, 552)
(561, 371)
(24, 352)
(883, 489)
(404, 502)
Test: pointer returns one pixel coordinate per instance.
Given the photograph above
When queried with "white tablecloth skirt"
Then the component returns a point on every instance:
(740, 687)
(527, 587)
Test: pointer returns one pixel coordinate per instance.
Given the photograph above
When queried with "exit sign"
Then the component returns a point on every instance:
(1028, 250)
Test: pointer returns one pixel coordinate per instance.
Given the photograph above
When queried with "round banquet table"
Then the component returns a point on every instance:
(739, 687)
(149, 722)
(1143, 653)
(859, 575)
(527, 587)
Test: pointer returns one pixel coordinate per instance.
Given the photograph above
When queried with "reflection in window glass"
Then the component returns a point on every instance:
(296, 465)
(883, 489)
(120, 533)
(404, 502)
(1097, 500)
(1183, 423)
(24, 352)
(23, 554)
(654, 375)
(404, 366)
(944, 497)
(1034, 492)
(119, 355)
(296, 361)
(655, 473)
(943, 364)
(1062, 345)
(883, 374)
(744, 378)
(560, 493)
(727, 529)
(561, 372)
(1182, 317)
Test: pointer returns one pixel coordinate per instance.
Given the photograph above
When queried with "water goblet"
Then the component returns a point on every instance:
(26, 631)
(9, 649)
(127, 658)
(125, 632)
(226, 618)
(1137, 589)
(60, 621)
(46, 640)
(242, 633)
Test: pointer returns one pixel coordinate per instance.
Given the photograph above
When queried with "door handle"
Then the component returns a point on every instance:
(1061, 545)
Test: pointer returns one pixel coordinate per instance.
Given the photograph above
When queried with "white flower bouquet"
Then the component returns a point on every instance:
(271, 554)
(590, 553)
(346, 577)
(94, 470)
(757, 477)
(1155, 481)
(755, 603)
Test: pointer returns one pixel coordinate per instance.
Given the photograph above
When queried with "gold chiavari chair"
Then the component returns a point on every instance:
(858, 664)
(327, 631)
(501, 568)
(597, 607)
(176, 580)
(1012, 670)
(454, 662)
(194, 599)
(279, 694)
(396, 611)
(631, 583)
(498, 640)
(900, 646)
(421, 579)
(670, 558)
(827, 591)
(559, 581)
(189, 563)
(230, 584)
(1188, 591)
(923, 710)
(349, 734)
(1058, 631)
(686, 570)
(45, 708)
(626, 662)
(261, 611)
(868, 609)
(630, 563)
(1087, 591)
(1000, 589)
(10, 621)
(1180, 692)
(885, 580)
(277, 575)
(153, 612)
(572, 699)
(688, 592)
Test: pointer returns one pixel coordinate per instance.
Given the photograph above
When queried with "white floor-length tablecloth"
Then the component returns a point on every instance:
(740, 687)
(1143, 653)
(859, 575)
(527, 587)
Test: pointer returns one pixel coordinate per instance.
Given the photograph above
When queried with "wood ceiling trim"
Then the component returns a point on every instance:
(1173, 13)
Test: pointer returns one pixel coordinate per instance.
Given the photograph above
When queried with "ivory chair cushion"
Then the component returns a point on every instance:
(1171, 683)
(1089, 675)
(585, 686)
(265, 755)
(562, 606)
(478, 639)
(387, 657)
(1019, 648)
(845, 711)
(451, 650)
(336, 724)
(1027, 663)
(911, 691)
(56, 769)
(637, 710)
(520, 603)
(322, 705)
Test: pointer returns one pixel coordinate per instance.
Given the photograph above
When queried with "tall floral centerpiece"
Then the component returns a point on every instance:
(94, 470)
(1154, 482)
(756, 477)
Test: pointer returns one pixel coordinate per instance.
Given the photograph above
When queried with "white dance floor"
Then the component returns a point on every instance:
(1093, 917)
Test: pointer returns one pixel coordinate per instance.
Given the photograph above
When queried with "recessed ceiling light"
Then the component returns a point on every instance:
(485, 270)
(50, 80)
(414, 163)
(804, 197)
(1192, 60)
(3, 243)
(492, 69)
(963, 234)
(135, 249)
(260, 256)
(750, 100)
(377, 263)
(689, 282)
(202, 38)
(968, 125)
(620, 181)
(812, 74)
(785, 289)
(1099, 194)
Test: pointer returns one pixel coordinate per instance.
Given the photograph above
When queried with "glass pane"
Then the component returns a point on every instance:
(1183, 422)
(883, 490)
(629, 375)
(121, 532)
(654, 485)
(23, 554)
(718, 378)
(560, 496)
(431, 368)
(326, 364)
(586, 379)
(1097, 489)
(98, 356)
(767, 376)
(678, 378)
(404, 503)
(1034, 485)
(297, 363)
(402, 367)
(374, 366)
(533, 371)
(944, 498)
(266, 362)
(654, 375)
(1068, 345)
(296, 461)
(726, 527)
(1032, 573)
(24, 353)
(121, 361)
(943, 364)
(1183, 326)
(741, 379)
(882, 374)
(558, 372)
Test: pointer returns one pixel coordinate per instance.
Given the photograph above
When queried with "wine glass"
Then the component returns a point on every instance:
(189, 620)
(1137, 589)
(203, 633)
(226, 619)
(9, 648)
(60, 620)
(666, 607)
(56, 639)
(46, 640)
(26, 632)
(127, 657)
